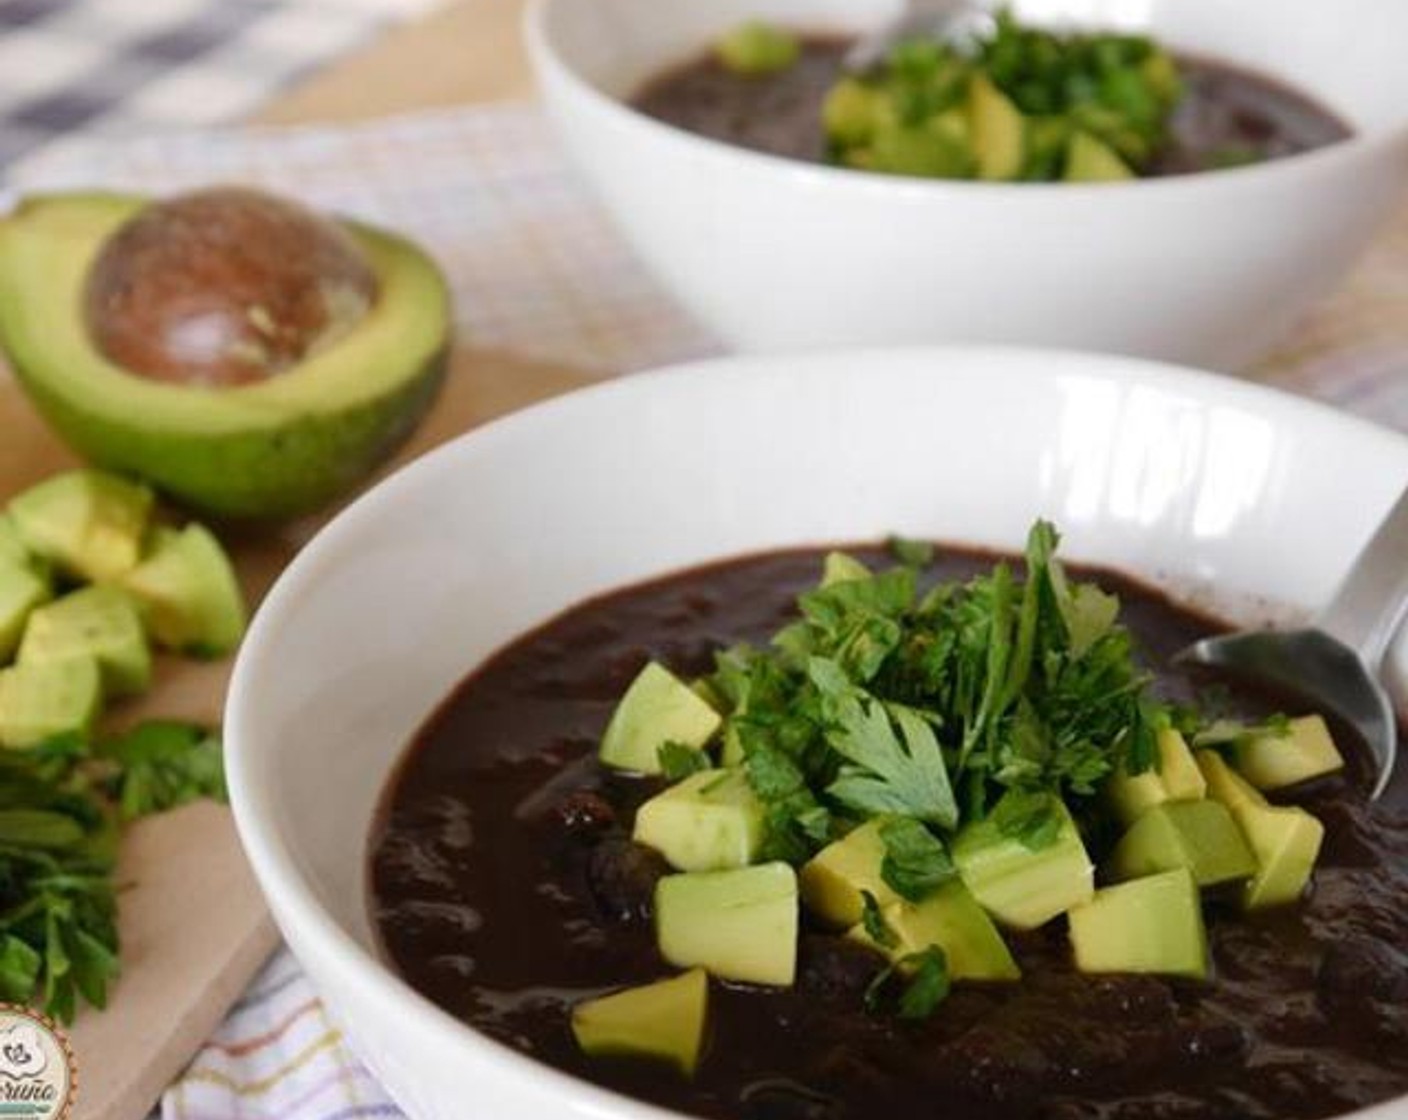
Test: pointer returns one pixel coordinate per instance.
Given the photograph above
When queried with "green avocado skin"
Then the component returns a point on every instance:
(296, 465)
(275, 452)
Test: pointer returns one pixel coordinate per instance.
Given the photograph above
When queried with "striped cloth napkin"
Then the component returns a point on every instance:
(537, 270)
(128, 66)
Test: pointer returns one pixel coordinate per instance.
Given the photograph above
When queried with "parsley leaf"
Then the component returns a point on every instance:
(162, 764)
(678, 761)
(916, 862)
(1032, 819)
(894, 762)
(873, 921)
(928, 987)
(60, 803)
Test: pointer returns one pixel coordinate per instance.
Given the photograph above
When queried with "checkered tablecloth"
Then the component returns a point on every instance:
(537, 270)
(133, 66)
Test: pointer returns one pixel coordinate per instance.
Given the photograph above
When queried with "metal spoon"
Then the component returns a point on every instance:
(921, 19)
(1335, 663)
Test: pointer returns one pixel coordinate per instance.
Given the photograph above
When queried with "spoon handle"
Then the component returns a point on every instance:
(1373, 599)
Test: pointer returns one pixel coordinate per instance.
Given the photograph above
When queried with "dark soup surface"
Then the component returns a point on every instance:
(1221, 116)
(507, 889)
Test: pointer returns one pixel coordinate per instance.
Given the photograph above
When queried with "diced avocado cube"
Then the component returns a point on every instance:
(1153, 924)
(89, 523)
(658, 708)
(1200, 836)
(833, 880)
(1179, 769)
(1225, 784)
(732, 753)
(1023, 887)
(12, 548)
(998, 130)
(737, 925)
(929, 151)
(852, 111)
(99, 622)
(711, 821)
(756, 48)
(840, 568)
(662, 1022)
(1177, 777)
(1285, 841)
(38, 702)
(1273, 762)
(21, 591)
(1160, 74)
(1089, 160)
(190, 597)
(951, 919)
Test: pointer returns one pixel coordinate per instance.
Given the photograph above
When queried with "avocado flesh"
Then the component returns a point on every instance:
(1089, 160)
(951, 919)
(834, 880)
(737, 925)
(661, 1022)
(88, 523)
(285, 446)
(1199, 836)
(21, 591)
(840, 568)
(1225, 784)
(1022, 887)
(1272, 762)
(100, 622)
(38, 702)
(711, 821)
(1285, 840)
(190, 598)
(1176, 777)
(12, 548)
(1153, 925)
(999, 131)
(657, 708)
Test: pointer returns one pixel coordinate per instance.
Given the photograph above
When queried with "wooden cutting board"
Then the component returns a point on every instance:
(193, 924)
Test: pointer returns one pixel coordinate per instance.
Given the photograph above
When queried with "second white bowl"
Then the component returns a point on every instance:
(1207, 269)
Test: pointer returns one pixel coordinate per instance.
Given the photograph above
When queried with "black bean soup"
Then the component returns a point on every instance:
(1228, 115)
(506, 888)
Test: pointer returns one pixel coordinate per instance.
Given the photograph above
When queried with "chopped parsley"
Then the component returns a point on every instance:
(60, 804)
(924, 708)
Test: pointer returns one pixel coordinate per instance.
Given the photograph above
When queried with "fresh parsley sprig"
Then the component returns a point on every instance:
(61, 804)
(924, 710)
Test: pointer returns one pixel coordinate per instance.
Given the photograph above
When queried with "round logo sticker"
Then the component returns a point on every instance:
(37, 1075)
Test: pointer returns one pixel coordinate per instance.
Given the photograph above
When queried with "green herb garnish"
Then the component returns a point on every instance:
(60, 804)
(160, 765)
(874, 924)
(678, 761)
(916, 861)
(1020, 104)
(928, 985)
(925, 709)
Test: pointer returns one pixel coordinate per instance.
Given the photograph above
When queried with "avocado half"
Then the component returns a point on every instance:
(282, 447)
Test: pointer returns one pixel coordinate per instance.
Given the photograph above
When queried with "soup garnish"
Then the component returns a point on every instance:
(1019, 104)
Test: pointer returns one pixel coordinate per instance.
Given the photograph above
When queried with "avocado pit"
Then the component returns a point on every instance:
(224, 287)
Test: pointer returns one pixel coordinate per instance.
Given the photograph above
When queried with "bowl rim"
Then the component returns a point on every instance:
(292, 894)
(543, 51)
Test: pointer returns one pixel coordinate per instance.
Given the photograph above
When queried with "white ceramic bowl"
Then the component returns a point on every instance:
(774, 254)
(1196, 481)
